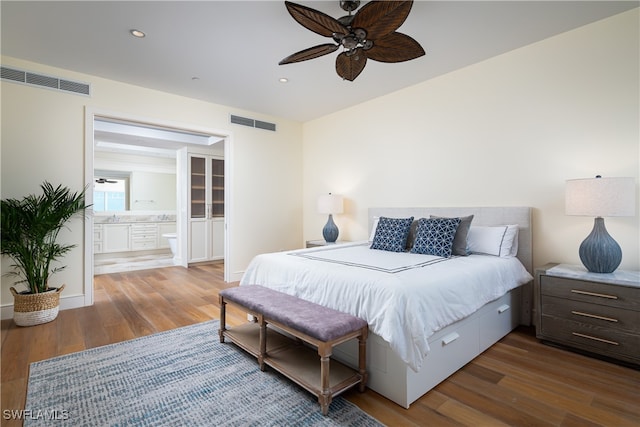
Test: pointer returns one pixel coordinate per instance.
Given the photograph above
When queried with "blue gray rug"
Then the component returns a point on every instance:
(182, 377)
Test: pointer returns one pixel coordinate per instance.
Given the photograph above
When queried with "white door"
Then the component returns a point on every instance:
(206, 208)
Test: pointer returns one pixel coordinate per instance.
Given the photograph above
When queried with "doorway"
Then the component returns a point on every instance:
(156, 148)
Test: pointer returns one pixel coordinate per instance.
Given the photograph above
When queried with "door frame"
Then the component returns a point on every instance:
(91, 113)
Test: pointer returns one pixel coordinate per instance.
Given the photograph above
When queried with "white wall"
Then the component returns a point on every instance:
(43, 139)
(506, 131)
(152, 191)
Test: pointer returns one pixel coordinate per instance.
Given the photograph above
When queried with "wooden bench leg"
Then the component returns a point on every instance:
(325, 397)
(262, 350)
(223, 315)
(362, 360)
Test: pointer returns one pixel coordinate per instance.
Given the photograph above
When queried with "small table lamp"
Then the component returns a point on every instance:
(600, 197)
(330, 204)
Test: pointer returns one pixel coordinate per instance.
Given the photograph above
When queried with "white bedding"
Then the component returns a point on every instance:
(404, 297)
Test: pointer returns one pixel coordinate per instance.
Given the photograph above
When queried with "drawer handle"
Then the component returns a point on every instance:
(594, 316)
(450, 338)
(593, 294)
(503, 308)
(594, 338)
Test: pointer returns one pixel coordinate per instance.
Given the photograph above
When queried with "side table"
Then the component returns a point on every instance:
(316, 243)
(594, 312)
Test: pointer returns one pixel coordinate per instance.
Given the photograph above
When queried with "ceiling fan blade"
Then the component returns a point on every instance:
(395, 47)
(380, 18)
(314, 20)
(349, 67)
(310, 53)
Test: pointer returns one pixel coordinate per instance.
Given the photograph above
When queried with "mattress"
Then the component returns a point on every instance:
(405, 298)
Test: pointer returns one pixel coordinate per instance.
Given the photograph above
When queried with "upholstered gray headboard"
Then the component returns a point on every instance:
(500, 215)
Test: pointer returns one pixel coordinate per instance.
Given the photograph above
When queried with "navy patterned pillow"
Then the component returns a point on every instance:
(459, 246)
(391, 234)
(434, 236)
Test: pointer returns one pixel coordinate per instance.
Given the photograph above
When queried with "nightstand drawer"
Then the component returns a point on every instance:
(591, 292)
(595, 315)
(608, 341)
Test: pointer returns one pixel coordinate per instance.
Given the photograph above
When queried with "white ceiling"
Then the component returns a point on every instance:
(116, 136)
(233, 47)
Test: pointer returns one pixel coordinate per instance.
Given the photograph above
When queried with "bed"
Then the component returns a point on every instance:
(428, 315)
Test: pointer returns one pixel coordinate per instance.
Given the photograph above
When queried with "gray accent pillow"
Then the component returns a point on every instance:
(460, 240)
(412, 234)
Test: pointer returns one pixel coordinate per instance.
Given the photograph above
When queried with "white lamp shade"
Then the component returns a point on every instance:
(330, 204)
(600, 197)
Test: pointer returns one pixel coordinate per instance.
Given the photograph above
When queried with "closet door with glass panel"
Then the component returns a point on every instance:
(206, 208)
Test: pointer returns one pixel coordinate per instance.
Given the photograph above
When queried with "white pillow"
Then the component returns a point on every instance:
(501, 240)
(376, 219)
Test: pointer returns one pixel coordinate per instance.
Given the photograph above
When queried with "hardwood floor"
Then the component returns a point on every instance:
(517, 382)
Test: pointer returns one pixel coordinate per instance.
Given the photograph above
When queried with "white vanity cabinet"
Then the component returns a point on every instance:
(131, 236)
(144, 236)
(97, 238)
(116, 238)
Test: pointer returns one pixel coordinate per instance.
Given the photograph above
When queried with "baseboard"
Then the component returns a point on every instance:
(66, 303)
(236, 276)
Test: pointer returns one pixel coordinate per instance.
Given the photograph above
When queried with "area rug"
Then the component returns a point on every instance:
(182, 377)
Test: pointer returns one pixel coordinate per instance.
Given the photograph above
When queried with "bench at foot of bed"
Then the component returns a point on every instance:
(304, 323)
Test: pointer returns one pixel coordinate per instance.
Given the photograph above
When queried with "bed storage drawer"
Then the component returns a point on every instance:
(501, 317)
(451, 349)
(453, 346)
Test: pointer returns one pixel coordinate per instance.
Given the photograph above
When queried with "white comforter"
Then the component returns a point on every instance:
(404, 297)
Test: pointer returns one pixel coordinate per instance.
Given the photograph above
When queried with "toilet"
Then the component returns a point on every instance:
(173, 242)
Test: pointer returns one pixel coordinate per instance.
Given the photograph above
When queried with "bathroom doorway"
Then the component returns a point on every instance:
(138, 226)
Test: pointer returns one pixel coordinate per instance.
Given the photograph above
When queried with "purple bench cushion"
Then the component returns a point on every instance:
(322, 323)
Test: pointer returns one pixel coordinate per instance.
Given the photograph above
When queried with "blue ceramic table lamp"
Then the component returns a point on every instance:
(330, 204)
(600, 197)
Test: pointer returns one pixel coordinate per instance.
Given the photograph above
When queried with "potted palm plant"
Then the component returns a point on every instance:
(30, 228)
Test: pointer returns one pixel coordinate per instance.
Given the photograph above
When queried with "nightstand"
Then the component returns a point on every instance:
(316, 243)
(594, 312)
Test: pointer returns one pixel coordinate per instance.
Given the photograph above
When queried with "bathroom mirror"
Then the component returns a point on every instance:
(133, 183)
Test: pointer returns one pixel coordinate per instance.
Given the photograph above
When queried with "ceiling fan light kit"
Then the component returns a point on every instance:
(369, 34)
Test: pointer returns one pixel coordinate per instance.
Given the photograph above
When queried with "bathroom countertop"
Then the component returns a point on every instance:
(129, 218)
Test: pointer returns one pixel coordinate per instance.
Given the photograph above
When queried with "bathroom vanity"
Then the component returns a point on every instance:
(132, 233)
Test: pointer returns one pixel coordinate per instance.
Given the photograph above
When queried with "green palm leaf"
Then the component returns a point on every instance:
(29, 232)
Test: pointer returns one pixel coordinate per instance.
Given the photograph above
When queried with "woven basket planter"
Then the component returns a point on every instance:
(35, 309)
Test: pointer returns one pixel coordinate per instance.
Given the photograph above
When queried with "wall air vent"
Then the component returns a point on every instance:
(265, 125)
(34, 79)
(244, 121)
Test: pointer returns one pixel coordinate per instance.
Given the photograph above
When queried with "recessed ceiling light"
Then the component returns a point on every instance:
(283, 80)
(137, 33)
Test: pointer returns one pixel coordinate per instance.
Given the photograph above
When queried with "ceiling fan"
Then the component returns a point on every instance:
(369, 34)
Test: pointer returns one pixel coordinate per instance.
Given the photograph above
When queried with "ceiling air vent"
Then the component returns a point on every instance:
(244, 121)
(34, 79)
